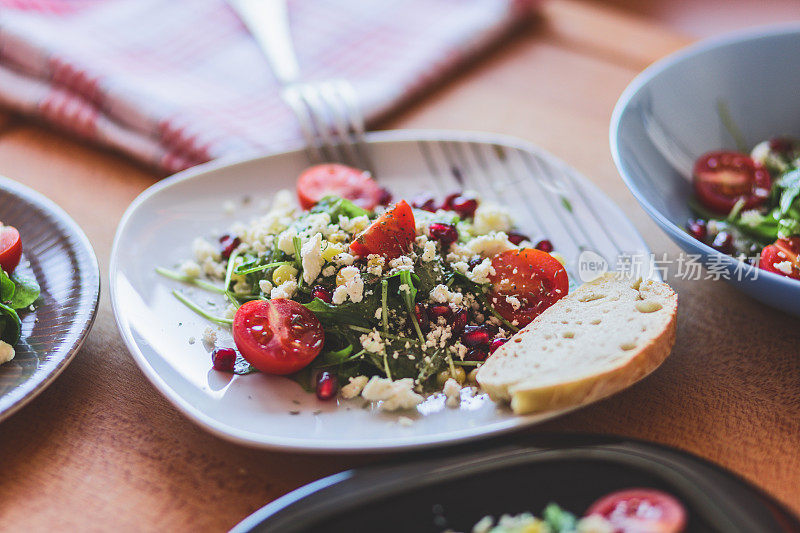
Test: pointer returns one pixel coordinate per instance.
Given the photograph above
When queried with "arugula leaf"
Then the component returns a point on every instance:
(336, 207)
(27, 291)
(7, 287)
(559, 520)
(428, 275)
(349, 313)
(10, 325)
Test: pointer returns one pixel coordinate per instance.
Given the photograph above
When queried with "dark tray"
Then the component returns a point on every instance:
(455, 489)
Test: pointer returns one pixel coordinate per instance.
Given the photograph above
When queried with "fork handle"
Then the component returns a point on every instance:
(268, 22)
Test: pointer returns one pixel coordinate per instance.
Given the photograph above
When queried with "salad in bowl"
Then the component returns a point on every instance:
(351, 292)
(748, 205)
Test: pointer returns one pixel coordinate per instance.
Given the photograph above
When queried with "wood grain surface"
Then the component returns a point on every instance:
(102, 450)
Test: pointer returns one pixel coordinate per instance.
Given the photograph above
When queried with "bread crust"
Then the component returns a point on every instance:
(533, 398)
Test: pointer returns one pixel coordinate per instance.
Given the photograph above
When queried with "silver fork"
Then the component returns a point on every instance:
(327, 110)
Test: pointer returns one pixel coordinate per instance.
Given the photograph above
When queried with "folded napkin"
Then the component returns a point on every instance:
(175, 83)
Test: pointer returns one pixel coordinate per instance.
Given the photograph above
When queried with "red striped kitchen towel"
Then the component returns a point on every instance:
(175, 83)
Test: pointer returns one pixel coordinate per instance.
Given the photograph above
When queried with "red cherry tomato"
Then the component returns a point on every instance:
(723, 178)
(277, 336)
(783, 252)
(535, 278)
(332, 179)
(10, 248)
(641, 511)
(390, 235)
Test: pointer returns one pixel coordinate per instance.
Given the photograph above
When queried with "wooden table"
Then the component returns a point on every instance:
(101, 449)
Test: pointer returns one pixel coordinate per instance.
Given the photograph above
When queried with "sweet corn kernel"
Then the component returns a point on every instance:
(283, 274)
(338, 237)
(444, 375)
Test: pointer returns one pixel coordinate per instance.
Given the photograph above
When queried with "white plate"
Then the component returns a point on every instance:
(274, 412)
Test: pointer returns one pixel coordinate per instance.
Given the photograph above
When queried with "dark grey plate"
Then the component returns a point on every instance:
(454, 488)
(57, 253)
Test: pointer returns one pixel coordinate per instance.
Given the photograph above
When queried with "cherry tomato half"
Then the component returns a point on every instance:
(641, 511)
(278, 336)
(333, 179)
(390, 235)
(723, 178)
(784, 252)
(535, 278)
(10, 248)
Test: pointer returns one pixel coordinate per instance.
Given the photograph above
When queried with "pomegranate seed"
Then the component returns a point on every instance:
(723, 242)
(223, 359)
(422, 316)
(516, 238)
(464, 206)
(697, 228)
(435, 311)
(425, 202)
(545, 246)
(475, 261)
(385, 197)
(227, 245)
(496, 343)
(322, 293)
(446, 234)
(476, 354)
(459, 321)
(327, 385)
(448, 200)
(476, 336)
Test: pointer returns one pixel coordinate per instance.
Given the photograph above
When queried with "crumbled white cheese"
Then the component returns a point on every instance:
(402, 263)
(354, 387)
(317, 223)
(213, 268)
(286, 241)
(354, 225)
(372, 342)
(514, 302)
(394, 395)
(230, 311)
(452, 390)
(6, 352)
(191, 269)
(785, 267)
(490, 244)
(284, 290)
(229, 207)
(311, 253)
(209, 336)
(429, 251)
(379, 313)
(265, 286)
(343, 259)
(443, 295)
(192, 340)
(352, 286)
(329, 271)
(480, 274)
(202, 250)
(460, 266)
(491, 217)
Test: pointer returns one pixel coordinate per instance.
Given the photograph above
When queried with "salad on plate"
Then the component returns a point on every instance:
(17, 292)
(635, 510)
(748, 205)
(353, 293)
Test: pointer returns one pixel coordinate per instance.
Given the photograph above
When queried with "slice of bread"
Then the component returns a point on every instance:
(601, 338)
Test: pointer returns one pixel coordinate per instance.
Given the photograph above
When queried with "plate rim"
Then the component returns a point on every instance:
(46, 204)
(307, 445)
